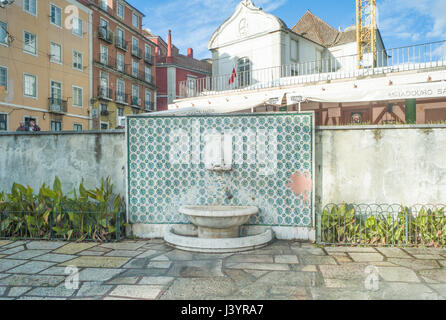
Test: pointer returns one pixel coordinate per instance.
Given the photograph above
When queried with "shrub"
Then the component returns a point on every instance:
(94, 214)
(348, 224)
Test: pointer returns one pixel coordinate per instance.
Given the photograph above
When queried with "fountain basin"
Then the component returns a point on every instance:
(229, 245)
(219, 222)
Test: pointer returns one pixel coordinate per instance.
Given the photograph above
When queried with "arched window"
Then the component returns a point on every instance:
(244, 72)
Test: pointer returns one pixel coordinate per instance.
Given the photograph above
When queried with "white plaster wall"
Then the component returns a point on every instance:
(401, 166)
(34, 159)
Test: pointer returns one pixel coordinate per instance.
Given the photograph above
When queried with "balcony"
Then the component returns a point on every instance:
(147, 78)
(104, 93)
(121, 44)
(57, 105)
(149, 106)
(148, 59)
(136, 102)
(390, 61)
(122, 98)
(136, 52)
(105, 34)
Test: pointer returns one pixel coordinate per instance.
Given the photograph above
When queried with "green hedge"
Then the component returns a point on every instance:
(350, 224)
(95, 214)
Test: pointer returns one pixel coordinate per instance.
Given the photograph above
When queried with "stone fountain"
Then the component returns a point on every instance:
(217, 228)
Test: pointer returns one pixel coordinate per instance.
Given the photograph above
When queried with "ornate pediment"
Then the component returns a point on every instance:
(247, 21)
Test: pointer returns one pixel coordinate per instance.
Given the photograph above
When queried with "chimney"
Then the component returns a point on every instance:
(169, 44)
(190, 53)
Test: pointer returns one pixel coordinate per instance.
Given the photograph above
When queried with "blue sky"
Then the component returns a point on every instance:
(401, 22)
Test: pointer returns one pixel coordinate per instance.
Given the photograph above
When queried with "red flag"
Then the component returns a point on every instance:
(233, 76)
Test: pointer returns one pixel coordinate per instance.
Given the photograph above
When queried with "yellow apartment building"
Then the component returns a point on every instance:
(45, 69)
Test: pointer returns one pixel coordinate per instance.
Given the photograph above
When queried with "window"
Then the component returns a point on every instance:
(104, 55)
(135, 20)
(135, 46)
(120, 62)
(191, 86)
(56, 91)
(56, 15)
(3, 33)
(77, 61)
(27, 120)
(103, 108)
(134, 68)
(29, 86)
(56, 126)
(3, 122)
(294, 50)
(148, 100)
(120, 112)
(120, 10)
(244, 72)
(104, 5)
(103, 87)
(30, 6)
(148, 55)
(77, 96)
(135, 95)
(55, 53)
(120, 37)
(120, 90)
(29, 43)
(77, 127)
(148, 75)
(77, 26)
(4, 78)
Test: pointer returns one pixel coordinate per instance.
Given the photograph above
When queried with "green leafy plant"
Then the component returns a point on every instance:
(95, 214)
(346, 224)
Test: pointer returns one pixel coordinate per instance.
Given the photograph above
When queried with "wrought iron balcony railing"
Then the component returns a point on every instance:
(57, 105)
(105, 34)
(417, 57)
(122, 98)
(136, 101)
(148, 59)
(121, 43)
(104, 92)
(149, 106)
(136, 52)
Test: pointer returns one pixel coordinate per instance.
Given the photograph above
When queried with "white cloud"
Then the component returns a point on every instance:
(412, 20)
(194, 21)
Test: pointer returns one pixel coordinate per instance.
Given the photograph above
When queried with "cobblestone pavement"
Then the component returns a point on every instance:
(152, 270)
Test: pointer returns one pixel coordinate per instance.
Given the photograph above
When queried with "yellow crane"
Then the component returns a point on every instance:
(366, 30)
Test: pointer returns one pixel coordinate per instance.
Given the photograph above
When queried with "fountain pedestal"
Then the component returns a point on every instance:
(218, 230)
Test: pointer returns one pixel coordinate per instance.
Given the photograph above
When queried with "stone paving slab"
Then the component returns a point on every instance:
(98, 274)
(55, 257)
(4, 242)
(31, 267)
(45, 245)
(96, 262)
(285, 270)
(27, 254)
(149, 292)
(73, 248)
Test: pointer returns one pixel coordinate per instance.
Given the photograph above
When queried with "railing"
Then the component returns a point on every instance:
(121, 43)
(136, 52)
(122, 98)
(149, 106)
(105, 34)
(136, 101)
(146, 77)
(417, 57)
(382, 225)
(104, 93)
(57, 105)
(148, 58)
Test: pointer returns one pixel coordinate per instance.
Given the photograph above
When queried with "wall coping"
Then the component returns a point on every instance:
(47, 133)
(385, 127)
(319, 128)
